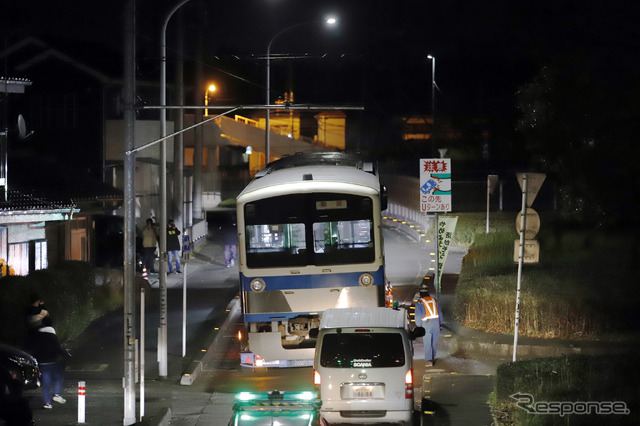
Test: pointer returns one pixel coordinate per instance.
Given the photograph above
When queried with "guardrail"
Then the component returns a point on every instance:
(198, 232)
(414, 223)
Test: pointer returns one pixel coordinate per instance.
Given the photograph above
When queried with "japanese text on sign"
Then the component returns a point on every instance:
(446, 228)
(435, 185)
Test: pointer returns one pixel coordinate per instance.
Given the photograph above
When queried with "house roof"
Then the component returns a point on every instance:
(38, 185)
(31, 52)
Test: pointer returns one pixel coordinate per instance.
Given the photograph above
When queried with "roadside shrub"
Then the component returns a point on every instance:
(69, 294)
(573, 378)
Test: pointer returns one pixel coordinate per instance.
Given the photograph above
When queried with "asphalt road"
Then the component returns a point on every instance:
(455, 384)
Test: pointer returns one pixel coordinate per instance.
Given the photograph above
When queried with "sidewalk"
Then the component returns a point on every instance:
(104, 392)
(207, 253)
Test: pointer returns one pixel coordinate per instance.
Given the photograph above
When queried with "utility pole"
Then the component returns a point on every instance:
(178, 141)
(163, 323)
(198, 134)
(128, 381)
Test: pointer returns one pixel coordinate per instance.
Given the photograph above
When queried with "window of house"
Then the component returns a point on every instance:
(19, 258)
(4, 235)
(22, 254)
(40, 254)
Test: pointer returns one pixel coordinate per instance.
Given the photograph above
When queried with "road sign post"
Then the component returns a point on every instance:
(186, 247)
(435, 185)
(435, 197)
(491, 183)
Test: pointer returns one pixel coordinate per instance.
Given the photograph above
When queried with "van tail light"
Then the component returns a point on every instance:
(316, 382)
(408, 384)
(259, 361)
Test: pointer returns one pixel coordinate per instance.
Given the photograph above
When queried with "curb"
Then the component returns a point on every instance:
(496, 345)
(162, 418)
(195, 367)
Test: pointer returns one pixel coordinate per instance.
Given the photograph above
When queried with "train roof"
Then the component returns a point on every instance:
(317, 159)
(332, 168)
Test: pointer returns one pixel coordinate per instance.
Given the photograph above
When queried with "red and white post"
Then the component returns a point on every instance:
(81, 395)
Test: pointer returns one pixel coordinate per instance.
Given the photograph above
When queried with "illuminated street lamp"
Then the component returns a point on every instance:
(331, 21)
(210, 89)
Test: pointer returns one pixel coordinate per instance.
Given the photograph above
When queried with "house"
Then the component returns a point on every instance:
(75, 109)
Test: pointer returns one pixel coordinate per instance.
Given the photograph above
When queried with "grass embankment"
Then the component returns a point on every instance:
(583, 286)
(69, 293)
(571, 390)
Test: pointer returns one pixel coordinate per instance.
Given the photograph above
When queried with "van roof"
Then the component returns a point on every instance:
(364, 317)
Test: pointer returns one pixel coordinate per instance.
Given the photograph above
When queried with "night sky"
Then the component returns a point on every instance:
(376, 57)
(377, 54)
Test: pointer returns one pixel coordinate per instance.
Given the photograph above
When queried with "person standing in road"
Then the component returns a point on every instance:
(149, 241)
(173, 246)
(230, 237)
(429, 315)
(46, 349)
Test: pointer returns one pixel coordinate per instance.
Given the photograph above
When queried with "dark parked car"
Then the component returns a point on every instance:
(16, 364)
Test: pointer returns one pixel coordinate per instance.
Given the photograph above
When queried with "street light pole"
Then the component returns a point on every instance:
(162, 327)
(211, 88)
(129, 121)
(433, 104)
(267, 140)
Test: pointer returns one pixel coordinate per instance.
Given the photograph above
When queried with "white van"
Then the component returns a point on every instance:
(363, 366)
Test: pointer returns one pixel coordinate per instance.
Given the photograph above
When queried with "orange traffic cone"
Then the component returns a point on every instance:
(144, 273)
(388, 295)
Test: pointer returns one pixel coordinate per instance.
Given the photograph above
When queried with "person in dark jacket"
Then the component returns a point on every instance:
(45, 347)
(34, 314)
(173, 246)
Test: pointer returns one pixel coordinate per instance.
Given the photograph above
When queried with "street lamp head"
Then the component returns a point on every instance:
(211, 88)
(430, 57)
(331, 20)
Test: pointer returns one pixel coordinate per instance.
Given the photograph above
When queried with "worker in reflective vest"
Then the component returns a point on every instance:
(429, 315)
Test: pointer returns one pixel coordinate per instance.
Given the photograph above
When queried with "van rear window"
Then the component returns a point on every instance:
(361, 350)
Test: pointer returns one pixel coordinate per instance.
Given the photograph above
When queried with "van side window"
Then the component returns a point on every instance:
(356, 350)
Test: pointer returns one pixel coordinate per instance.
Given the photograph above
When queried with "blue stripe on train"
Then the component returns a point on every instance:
(280, 316)
(292, 282)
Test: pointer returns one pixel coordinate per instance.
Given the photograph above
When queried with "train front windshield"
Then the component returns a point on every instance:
(309, 229)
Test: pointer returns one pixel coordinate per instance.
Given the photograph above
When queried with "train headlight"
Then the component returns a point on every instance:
(366, 280)
(257, 284)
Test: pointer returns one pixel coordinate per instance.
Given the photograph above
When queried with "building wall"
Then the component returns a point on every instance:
(331, 129)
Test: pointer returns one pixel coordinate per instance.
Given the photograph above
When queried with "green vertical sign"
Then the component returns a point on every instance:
(446, 228)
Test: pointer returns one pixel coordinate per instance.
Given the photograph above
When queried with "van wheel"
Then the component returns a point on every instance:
(416, 418)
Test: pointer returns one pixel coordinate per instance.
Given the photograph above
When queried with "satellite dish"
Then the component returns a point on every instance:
(22, 128)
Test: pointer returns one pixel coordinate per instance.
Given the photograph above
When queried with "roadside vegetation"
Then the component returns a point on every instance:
(70, 294)
(582, 288)
(569, 390)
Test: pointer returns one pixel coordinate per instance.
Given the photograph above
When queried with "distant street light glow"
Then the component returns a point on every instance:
(210, 89)
(267, 126)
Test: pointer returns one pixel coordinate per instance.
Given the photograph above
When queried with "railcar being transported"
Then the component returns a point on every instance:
(309, 239)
